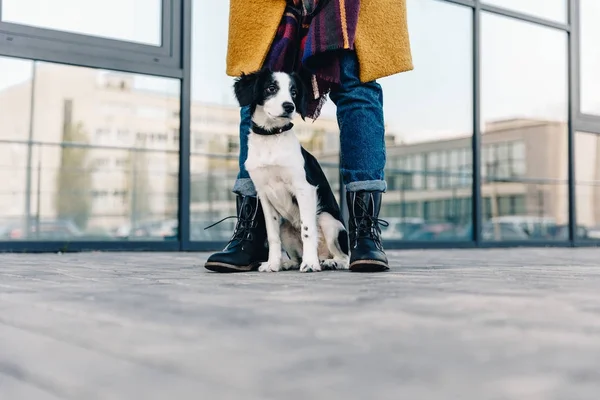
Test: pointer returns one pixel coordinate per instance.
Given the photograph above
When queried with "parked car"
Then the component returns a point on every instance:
(432, 231)
(534, 227)
(401, 227)
(41, 230)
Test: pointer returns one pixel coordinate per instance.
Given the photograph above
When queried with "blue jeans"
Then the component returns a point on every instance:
(362, 133)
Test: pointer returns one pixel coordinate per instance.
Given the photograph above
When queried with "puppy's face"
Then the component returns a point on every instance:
(276, 94)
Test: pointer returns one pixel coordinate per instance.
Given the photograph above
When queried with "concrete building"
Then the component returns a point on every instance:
(524, 174)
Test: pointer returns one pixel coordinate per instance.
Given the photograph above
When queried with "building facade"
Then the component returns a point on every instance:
(126, 135)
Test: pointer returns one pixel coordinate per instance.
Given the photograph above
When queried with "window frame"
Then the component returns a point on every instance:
(50, 45)
(581, 120)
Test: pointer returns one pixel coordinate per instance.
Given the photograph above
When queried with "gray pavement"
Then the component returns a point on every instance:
(445, 324)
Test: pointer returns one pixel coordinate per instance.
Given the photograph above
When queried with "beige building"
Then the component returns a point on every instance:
(524, 168)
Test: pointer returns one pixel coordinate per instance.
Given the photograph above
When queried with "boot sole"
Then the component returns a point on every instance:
(368, 266)
(230, 269)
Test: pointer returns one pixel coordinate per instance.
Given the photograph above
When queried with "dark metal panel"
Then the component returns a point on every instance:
(184, 135)
(586, 124)
(525, 17)
(17, 46)
(176, 31)
(73, 247)
(587, 243)
(476, 141)
(72, 39)
(204, 246)
(526, 243)
(415, 245)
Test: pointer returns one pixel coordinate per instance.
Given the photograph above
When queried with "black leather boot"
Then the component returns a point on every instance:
(366, 251)
(247, 248)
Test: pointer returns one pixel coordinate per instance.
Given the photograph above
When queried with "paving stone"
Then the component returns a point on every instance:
(442, 324)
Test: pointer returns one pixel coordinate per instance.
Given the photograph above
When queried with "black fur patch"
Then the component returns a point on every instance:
(255, 88)
(316, 177)
(344, 242)
(300, 100)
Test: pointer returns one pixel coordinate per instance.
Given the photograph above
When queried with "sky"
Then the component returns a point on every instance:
(524, 66)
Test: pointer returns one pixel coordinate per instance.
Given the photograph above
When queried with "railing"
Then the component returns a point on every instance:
(89, 192)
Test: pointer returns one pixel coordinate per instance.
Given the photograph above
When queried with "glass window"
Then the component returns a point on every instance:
(418, 171)
(410, 100)
(79, 180)
(524, 96)
(549, 9)
(15, 99)
(587, 181)
(518, 150)
(517, 167)
(590, 56)
(503, 160)
(433, 162)
(129, 20)
(453, 168)
(442, 177)
(214, 124)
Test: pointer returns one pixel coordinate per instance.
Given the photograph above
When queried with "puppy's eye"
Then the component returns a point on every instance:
(271, 89)
(293, 93)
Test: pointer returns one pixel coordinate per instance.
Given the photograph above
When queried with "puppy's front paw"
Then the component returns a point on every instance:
(270, 267)
(334, 264)
(310, 267)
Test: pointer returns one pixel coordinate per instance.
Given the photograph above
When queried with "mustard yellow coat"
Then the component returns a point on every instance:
(382, 44)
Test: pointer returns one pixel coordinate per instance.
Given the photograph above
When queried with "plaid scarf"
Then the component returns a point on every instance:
(308, 41)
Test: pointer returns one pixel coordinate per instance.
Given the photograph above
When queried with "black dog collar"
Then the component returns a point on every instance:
(266, 132)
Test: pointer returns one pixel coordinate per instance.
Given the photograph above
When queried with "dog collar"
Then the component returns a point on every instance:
(275, 131)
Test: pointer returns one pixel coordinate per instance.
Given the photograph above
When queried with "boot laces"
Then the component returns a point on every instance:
(367, 225)
(244, 226)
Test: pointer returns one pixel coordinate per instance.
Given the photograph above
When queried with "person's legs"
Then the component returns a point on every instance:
(243, 185)
(363, 156)
(246, 250)
(362, 130)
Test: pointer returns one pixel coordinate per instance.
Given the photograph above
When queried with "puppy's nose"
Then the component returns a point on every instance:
(288, 107)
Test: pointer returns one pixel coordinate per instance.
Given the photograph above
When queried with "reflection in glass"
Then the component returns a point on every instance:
(428, 114)
(15, 98)
(215, 120)
(524, 131)
(96, 168)
(587, 185)
(590, 57)
(129, 20)
(549, 9)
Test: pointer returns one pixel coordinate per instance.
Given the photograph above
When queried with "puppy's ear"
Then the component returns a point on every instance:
(244, 88)
(301, 100)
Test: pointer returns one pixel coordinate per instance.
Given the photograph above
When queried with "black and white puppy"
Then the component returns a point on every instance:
(301, 212)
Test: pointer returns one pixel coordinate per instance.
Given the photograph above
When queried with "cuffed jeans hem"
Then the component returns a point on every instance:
(368, 186)
(244, 187)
